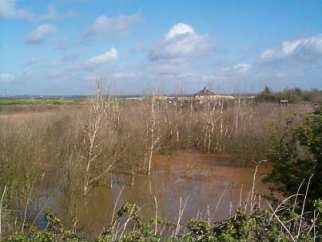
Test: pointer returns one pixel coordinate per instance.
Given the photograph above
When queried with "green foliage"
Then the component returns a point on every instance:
(200, 230)
(254, 227)
(318, 209)
(294, 95)
(38, 101)
(138, 232)
(257, 226)
(54, 231)
(266, 95)
(297, 155)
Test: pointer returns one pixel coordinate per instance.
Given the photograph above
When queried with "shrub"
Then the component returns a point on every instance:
(297, 155)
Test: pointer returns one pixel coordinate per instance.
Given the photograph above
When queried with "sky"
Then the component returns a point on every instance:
(64, 47)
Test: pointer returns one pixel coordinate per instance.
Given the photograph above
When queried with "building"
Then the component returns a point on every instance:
(283, 102)
(207, 95)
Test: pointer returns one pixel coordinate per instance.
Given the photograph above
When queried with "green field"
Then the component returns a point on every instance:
(38, 101)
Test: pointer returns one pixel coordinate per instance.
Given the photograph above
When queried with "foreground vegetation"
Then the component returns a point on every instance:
(297, 155)
(76, 148)
(259, 225)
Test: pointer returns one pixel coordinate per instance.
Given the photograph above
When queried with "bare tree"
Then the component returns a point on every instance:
(99, 111)
(153, 134)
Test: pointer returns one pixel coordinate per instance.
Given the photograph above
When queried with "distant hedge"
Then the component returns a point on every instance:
(294, 95)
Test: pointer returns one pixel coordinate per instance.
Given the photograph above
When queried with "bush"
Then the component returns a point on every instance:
(257, 226)
(297, 155)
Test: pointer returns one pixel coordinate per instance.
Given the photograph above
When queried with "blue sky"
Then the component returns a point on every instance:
(62, 47)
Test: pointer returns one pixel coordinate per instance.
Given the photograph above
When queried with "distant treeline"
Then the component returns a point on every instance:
(294, 95)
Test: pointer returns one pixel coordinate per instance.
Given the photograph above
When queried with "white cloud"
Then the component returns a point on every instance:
(179, 29)
(104, 24)
(296, 63)
(7, 77)
(41, 33)
(242, 68)
(52, 14)
(9, 9)
(301, 49)
(180, 41)
(109, 56)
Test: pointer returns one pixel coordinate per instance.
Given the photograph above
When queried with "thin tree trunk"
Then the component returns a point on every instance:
(153, 141)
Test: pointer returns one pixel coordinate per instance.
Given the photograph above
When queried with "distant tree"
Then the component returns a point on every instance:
(294, 95)
(298, 91)
(266, 95)
(267, 91)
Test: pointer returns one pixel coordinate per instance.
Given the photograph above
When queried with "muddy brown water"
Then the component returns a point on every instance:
(210, 185)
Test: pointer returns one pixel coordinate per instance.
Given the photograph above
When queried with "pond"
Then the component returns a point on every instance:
(209, 186)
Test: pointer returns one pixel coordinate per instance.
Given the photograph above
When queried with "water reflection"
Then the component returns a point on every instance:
(211, 185)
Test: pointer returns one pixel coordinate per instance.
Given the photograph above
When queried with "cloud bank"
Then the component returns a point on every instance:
(301, 49)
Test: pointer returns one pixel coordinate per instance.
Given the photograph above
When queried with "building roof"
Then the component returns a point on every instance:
(205, 92)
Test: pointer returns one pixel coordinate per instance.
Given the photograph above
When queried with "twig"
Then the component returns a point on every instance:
(280, 221)
(315, 218)
(303, 207)
(156, 216)
(241, 195)
(253, 189)
(298, 191)
(116, 203)
(208, 214)
(219, 200)
(1, 204)
(282, 203)
(181, 210)
(101, 175)
(26, 209)
(126, 222)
